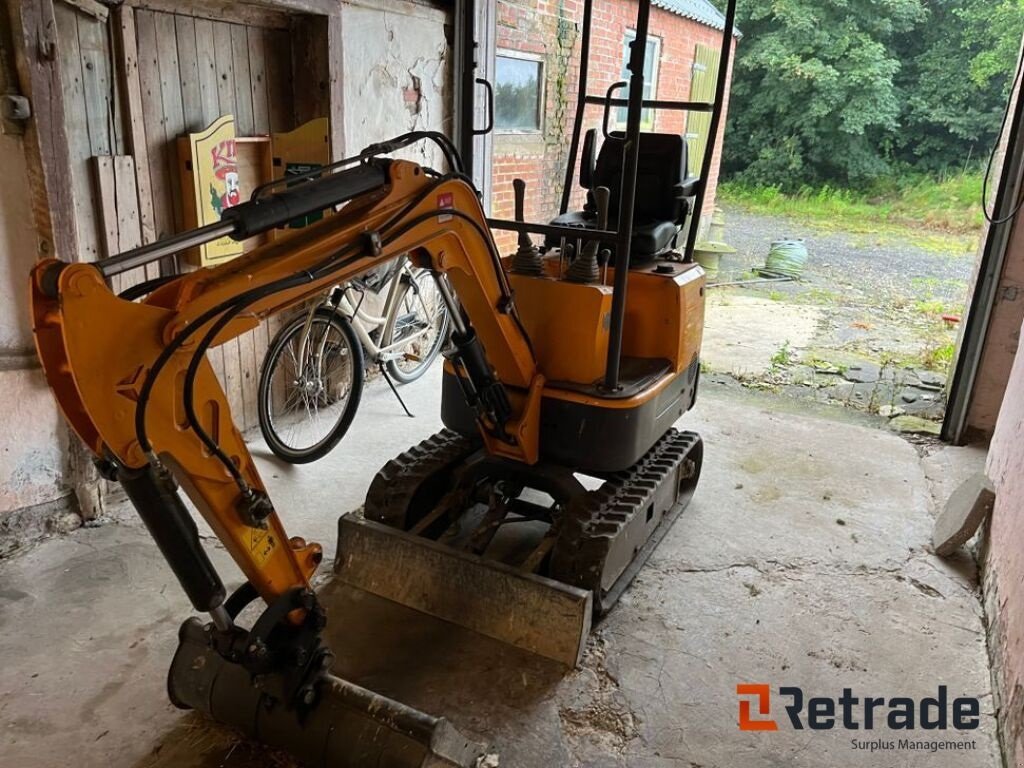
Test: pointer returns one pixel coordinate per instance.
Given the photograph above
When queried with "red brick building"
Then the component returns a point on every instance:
(536, 81)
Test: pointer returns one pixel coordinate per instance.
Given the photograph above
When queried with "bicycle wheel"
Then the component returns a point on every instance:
(305, 407)
(420, 319)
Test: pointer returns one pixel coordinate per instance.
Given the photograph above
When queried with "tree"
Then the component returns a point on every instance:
(843, 91)
(957, 71)
(813, 92)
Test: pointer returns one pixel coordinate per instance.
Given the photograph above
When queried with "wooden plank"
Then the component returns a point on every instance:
(97, 88)
(117, 194)
(92, 8)
(45, 139)
(153, 124)
(249, 379)
(207, 72)
(233, 380)
(280, 99)
(188, 67)
(224, 67)
(310, 57)
(103, 171)
(222, 10)
(528, 611)
(258, 81)
(241, 82)
(136, 143)
(106, 186)
(129, 228)
(97, 85)
(76, 126)
(336, 89)
(261, 125)
(174, 115)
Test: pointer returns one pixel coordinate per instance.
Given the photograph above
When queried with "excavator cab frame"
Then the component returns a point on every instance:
(621, 235)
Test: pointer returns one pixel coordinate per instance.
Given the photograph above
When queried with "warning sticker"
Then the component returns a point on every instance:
(261, 544)
(446, 200)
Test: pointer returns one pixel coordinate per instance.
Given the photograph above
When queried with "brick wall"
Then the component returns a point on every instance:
(552, 30)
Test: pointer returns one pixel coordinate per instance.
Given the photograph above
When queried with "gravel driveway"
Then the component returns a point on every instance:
(880, 342)
(874, 267)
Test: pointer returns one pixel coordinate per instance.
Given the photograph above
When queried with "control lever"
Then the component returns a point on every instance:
(584, 268)
(526, 260)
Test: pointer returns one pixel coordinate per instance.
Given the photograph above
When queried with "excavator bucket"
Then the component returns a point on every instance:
(344, 726)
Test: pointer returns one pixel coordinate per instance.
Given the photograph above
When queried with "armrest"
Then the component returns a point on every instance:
(687, 188)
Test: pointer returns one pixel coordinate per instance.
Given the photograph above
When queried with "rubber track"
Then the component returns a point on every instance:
(395, 486)
(595, 520)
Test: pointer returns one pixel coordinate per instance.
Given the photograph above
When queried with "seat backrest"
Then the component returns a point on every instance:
(661, 167)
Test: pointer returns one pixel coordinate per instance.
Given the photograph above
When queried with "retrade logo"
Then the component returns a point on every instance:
(849, 712)
(762, 696)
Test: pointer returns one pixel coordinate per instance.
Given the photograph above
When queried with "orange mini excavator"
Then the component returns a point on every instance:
(572, 358)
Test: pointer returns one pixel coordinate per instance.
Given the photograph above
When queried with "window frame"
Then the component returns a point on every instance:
(620, 112)
(534, 58)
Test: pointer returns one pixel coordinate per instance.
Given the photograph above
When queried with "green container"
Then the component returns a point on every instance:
(787, 258)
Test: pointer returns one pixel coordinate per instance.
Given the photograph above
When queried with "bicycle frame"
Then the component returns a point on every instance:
(338, 300)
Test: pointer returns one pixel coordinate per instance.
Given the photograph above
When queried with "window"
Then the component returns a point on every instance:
(518, 93)
(650, 79)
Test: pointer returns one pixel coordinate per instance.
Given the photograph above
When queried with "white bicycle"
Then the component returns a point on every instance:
(312, 376)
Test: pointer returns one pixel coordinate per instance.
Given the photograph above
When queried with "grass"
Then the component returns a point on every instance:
(936, 214)
(783, 356)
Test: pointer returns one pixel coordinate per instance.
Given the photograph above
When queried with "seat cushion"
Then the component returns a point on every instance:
(652, 238)
(649, 238)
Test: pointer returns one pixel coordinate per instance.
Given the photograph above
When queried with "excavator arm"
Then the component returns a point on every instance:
(133, 381)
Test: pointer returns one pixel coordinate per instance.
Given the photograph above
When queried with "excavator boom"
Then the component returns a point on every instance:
(120, 369)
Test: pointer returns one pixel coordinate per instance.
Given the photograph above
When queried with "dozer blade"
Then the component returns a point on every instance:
(346, 727)
(531, 612)
(424, 539)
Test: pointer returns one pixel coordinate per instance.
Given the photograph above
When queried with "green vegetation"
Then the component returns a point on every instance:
(783, 356)
(850, 93)
(938, 214)
(938, 357)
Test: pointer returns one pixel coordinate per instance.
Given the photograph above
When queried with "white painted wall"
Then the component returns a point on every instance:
(397, 75)
(32, 436)
(17, 249)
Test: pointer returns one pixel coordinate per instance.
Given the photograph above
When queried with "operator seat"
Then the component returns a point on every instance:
(664, 190)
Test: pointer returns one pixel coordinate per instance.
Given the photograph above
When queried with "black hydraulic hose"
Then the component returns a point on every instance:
(210, 314)
(193, 368)
(337, 262)
(232, 307)
(141, 289)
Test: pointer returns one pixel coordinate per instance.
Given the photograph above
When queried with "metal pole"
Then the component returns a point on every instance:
(581, 106)
(147, 254)
(627, 197)
(465, 80)
(716, 119)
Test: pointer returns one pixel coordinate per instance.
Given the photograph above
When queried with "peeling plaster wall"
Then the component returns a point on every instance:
(397, 75)
(32, 437)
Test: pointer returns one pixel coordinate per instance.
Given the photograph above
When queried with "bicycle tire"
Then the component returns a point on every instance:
(275, 354)
(399, 374)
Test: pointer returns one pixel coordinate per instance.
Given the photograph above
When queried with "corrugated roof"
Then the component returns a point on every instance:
(698, 10)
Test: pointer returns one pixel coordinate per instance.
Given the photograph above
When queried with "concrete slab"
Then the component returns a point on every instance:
(743, 333)
(801, 561)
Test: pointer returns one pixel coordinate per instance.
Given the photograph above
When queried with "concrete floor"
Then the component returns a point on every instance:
(801, 561)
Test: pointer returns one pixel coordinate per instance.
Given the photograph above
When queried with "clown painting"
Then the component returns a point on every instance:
(211, 184)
